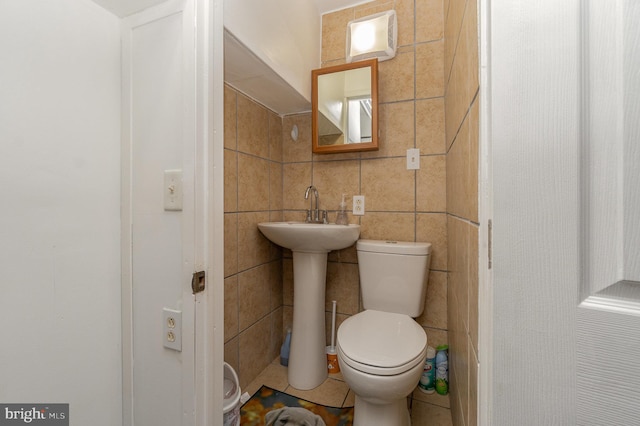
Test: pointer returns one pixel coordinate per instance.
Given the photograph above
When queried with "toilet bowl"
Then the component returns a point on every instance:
(381, 351)
(381, 358)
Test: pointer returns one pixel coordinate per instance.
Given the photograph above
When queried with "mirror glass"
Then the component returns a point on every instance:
(345, 107)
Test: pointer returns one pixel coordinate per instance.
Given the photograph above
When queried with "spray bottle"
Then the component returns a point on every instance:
(442, 370)
(341, 217)
(285, 349)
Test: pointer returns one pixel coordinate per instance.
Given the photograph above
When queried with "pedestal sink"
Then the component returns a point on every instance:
(310, 244)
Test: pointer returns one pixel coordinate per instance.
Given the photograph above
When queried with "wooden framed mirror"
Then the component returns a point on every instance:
(344, 116)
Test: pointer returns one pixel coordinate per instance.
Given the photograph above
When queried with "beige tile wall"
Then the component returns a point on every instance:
(461, 111)
(253, 266)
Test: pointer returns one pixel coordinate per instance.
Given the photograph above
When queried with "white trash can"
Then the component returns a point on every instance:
(231, 403)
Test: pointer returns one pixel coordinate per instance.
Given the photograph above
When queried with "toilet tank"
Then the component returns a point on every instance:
(393, 275)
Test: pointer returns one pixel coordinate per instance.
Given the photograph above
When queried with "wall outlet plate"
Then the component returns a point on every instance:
(172, 329)
(358, 205)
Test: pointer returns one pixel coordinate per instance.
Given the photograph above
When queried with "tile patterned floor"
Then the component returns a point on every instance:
(432, 410)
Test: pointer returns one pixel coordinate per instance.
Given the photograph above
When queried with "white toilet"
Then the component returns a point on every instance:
(382, 350)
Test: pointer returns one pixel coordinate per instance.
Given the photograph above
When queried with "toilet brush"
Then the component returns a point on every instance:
(333, 327)
(332, 356)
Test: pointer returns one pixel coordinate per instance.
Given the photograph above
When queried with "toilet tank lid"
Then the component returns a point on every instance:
(394, 247)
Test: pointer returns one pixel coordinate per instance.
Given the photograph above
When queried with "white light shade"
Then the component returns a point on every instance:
(374, 36)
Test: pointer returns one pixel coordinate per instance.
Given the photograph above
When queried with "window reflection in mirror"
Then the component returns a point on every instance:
(345, 107)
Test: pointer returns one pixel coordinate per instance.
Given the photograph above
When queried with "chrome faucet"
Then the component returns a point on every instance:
(314, 215)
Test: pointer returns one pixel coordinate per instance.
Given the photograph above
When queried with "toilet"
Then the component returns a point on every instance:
(381, 351)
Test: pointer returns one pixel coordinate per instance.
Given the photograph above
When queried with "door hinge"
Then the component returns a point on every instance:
(198, 282)
(489, 242)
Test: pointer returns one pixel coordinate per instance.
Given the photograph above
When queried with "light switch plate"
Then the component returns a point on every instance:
(173, 190)
(413, 159)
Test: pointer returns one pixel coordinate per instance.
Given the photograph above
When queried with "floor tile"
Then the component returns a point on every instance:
(332, 393)
(423, 413)
(432, 398)
(350, 401)
(274, 376)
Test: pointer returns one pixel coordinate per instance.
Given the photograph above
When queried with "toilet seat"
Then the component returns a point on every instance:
(381, 343)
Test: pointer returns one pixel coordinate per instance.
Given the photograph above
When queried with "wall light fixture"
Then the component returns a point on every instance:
(374, 36)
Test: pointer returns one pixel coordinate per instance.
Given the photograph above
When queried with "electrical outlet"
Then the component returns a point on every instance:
(172, 329)
(358, 205)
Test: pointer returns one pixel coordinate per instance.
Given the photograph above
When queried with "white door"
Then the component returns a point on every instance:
(608, 318)
(170, 364)
(560, 177)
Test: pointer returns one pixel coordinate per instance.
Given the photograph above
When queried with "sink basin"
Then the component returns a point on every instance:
(310, 244)
(310, 237)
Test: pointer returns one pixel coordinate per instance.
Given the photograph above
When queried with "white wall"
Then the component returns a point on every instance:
(59, 221)
(284, 34)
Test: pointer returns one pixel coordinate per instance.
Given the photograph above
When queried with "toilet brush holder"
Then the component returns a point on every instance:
(332, 360)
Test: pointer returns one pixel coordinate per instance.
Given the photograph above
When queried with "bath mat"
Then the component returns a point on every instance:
(253, 412)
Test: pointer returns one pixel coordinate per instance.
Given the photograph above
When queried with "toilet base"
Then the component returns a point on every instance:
(395, 413)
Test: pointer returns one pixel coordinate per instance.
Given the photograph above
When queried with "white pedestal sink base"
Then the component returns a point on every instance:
(310, 243)
(307, 358)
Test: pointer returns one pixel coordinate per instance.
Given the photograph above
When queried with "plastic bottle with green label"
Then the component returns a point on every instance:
(442, 370)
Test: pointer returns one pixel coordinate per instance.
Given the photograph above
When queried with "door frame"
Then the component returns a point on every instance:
(210, 173)
(485, 214)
